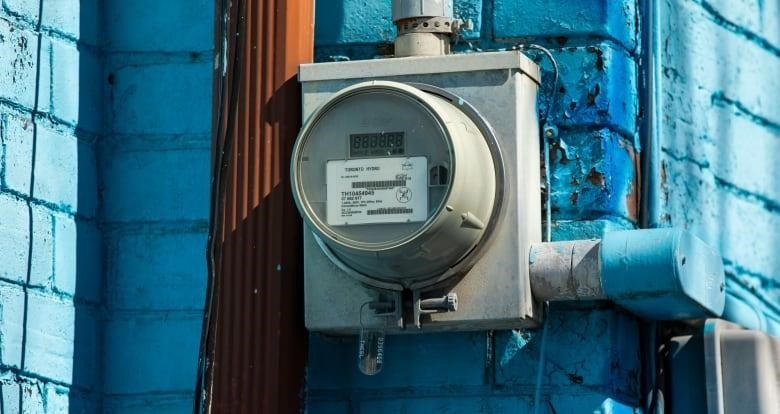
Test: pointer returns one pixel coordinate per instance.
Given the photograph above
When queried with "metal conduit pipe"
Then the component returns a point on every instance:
(659, 274)
(424, 27)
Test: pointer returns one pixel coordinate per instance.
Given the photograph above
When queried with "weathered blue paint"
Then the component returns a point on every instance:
(496, 371)
(154, 182)
(566, 20)
(50, 277)
(662, 274)
(590, 179)
(592, 355)
(103, 203)
(716, 128)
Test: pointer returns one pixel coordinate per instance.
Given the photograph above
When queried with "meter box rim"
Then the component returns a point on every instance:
(420, 65)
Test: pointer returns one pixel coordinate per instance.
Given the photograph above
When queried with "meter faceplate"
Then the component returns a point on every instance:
(400, 130)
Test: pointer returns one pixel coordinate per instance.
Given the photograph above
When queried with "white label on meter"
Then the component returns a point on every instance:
(377, 190)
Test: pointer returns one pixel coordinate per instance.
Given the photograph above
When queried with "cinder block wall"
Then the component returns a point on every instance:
(154, 185)
(592, 355)
(712, 141)
(105, 114)
(51, 283)
(719, 136)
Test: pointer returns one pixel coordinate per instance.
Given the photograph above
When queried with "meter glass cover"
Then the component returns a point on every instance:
(379, 144)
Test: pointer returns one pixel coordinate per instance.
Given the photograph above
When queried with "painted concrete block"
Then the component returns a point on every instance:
(78, 258)
(719, 131)
(66, 248)
(33, 397)
(151, 404)
(11, 325)
(57, 399)
(16, 137)
(770, 24)
(353, 21)
(738, 224)
(594, 174)
(50, 337)
(14, 238)
(588, 229)
(327, 407)
(76, 86)
(470, 10)
(65, 172)
(758, 17)
(42, 259)
(26, 9)
(714, 63)
(594, 349)
(63, 342)
(359, 22)
(447, 405)
(173, 338)
(561, 20)
(594, 88)
(720, 144)
(125, 34)
(178, 92)
(76, 20)
(88, 352)
(435, 360)
(11, 391)
(156, 185)
(147, 271)
(18, 64)
(85, 403)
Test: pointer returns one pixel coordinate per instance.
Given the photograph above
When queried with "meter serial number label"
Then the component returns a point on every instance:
(377, 190)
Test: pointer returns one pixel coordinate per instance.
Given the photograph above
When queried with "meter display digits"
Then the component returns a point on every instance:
(379, 144)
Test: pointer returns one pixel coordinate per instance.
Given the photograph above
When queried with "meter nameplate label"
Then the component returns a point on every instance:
(377, 190)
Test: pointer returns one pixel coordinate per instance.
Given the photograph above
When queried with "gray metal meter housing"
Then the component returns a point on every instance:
(418, 180)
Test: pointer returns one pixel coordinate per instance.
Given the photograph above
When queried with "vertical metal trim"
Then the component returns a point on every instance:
(254, 346)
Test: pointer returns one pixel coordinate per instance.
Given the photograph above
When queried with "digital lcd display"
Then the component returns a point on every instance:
(379, 144)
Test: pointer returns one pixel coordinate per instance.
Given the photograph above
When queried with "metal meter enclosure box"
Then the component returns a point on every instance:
(419, 183)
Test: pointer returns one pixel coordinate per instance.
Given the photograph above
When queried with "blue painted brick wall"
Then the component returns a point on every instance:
(592, 356)
(50, 285)
(715, 125)
(154, 185)
(719, 134)
(105, 116)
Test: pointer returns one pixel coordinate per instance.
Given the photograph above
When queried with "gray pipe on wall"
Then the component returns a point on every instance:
(657, 274)
(424, 27)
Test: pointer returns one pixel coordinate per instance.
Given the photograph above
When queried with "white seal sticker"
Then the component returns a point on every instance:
(377, 190)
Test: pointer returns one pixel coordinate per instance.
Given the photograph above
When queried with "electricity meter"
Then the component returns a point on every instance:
(418, 182)
(400, 184)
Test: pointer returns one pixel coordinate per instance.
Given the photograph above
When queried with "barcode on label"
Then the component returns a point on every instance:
(379, 184)
(390, 210)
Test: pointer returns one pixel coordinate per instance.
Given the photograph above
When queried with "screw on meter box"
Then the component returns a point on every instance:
(376, 191)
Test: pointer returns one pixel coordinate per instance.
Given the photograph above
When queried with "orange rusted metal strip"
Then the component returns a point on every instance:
(256, 343)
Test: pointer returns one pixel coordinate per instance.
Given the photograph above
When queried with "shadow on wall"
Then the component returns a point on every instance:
(86, 394)
(719, 139)
(332, 13)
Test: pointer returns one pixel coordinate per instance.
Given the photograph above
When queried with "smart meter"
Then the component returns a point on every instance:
(398, 183)
(418, 182)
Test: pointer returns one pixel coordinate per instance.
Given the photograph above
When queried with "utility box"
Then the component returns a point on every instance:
(419, 183)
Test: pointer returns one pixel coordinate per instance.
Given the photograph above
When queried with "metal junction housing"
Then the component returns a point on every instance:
(418, 180)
